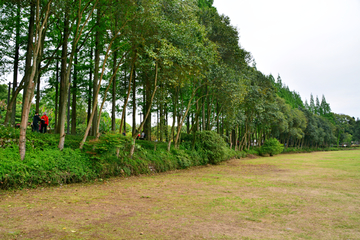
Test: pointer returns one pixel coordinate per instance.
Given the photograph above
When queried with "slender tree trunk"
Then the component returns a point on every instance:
(63, 81)
(147, 125)
(68, 108)
(203, 118)
(96, 76)
(158, 124)
(208, 108)
(161, 121)
(134, 105)
(188, 124)
(74, 95)
(16, 62)
(196, 124)
(56, 95)
(113, 105)
(89, 86)
(38, 89)
(174, 118)
(166, 123)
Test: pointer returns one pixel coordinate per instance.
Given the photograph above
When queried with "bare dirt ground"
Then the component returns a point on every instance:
(303, 196)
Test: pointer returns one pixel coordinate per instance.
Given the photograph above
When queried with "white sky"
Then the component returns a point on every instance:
(313, 44)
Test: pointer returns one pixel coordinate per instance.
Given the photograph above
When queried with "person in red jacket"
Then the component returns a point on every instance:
(45, 123)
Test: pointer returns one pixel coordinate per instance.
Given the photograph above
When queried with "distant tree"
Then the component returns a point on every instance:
(312, 106)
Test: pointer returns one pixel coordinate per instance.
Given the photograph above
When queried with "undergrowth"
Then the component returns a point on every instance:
(45, 165)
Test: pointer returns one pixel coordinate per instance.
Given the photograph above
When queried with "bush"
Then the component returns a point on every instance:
(9, 132)
(272, 147)
(211, 145)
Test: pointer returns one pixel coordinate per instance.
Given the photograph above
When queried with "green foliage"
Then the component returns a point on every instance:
(3, 92)
(211, 145)
(272, 147)
(107, 144)
(48, 167)
(9, 132)
(45, 165)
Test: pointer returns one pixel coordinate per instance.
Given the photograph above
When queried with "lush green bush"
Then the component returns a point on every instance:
(272, 147)
(9, 132)
(211, 145)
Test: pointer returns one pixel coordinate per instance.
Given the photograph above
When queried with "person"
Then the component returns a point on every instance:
(36, 120)
(124, 133)
(142, 135)
(44, 123)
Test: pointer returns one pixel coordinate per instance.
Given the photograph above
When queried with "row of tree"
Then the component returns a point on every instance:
(178, 59)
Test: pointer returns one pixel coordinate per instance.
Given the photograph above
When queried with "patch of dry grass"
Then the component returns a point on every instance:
(295, 196)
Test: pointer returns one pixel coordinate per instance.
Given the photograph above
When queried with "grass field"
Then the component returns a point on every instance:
(290, 196)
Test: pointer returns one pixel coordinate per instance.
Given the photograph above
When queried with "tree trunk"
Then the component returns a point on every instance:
(166, 122)
(203, 118)
(208, 108)
(74, 94)
(89, 86)
(63, 80)
(113, 105)
(161, 121)
(174, 119)
(56, 95)
(134, 105)
(196, 124)
(37, 104)
(147, 126)
(188, 124)
(68, 108)
(96, 77)
(16, 62)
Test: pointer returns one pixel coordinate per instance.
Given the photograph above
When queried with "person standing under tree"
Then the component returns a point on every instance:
(36, 120)
(45, 123)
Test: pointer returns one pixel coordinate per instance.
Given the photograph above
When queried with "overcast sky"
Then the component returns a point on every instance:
(313, 44)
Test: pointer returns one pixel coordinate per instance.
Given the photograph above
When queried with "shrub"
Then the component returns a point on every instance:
(211, 145)
(9, 132)
(272, 147)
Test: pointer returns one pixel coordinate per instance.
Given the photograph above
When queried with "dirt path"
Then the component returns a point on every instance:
(241, 199)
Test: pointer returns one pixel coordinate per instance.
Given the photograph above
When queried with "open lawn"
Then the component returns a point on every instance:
(291, 196)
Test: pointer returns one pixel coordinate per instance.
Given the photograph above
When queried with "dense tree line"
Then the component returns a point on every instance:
(86, 62)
